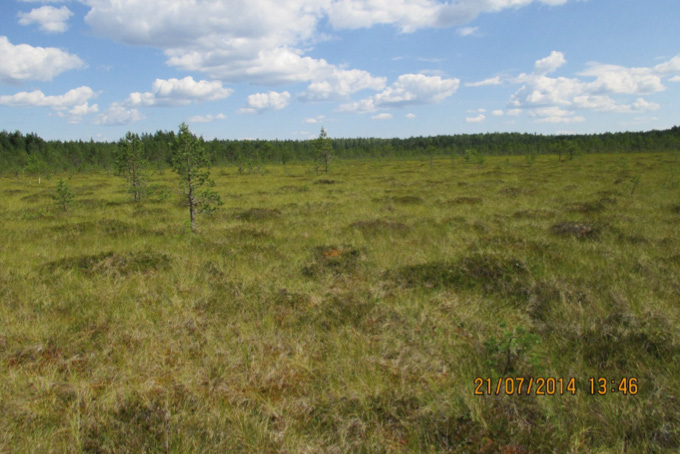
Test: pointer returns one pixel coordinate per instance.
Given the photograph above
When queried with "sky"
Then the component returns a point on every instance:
(282, 69)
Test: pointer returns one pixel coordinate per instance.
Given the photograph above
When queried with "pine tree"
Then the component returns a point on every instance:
(324, 149)
(131, 163)
(63, 196)
(189, 161)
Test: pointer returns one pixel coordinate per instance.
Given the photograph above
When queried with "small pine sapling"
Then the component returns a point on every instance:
(189, 161)
(63, 196)
(324, 149)
(131, 164)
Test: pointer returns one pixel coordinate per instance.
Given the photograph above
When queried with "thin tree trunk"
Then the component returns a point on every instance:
(191, 194)
(135, 183)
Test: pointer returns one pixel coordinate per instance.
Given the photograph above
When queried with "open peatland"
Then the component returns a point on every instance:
(348, 312)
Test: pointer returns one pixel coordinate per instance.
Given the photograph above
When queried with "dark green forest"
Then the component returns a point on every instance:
(29, 153)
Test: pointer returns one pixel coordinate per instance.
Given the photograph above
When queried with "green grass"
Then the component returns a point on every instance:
(348, 312)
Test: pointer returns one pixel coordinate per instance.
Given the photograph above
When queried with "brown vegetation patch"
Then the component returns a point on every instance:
(407, 199)
(465, 200)
(333, 259)
(38, 355)
(595, 206)
(249, 232)
(345, 307)
(488, 272)
(14, 191)
(111, 227)
(113, 263)
(324, 181)
(293, 188)
(259, 214)
(622, 339)
(43, 195)
(137, 425)
(533, 214)
(580, 230)
(513, 191)
(379, 226)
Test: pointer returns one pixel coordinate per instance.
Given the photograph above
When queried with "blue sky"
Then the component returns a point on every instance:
(232, 69)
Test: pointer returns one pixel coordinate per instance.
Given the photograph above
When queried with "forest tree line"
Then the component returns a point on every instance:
(29, 153)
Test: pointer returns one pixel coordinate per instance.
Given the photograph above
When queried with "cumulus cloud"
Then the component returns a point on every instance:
(341, 84)
(411, 15)
(118, 115)
(674, 79)
(260, 102)
(382, 116)
(409, 89)
(546, 97)
(49, 18)
(550, 63)
(72, 105)
(497, 113)
(23, 62)
(410, 115)
(206, 118)
(478, 119)
(37, 98)
(235, 42)
(486, 82)
(177, 92)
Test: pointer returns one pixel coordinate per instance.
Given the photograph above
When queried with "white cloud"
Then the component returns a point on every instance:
(550, 63)
(602, 103)
(409, 89)
(554, 115)
(266, 41)
(467, 31)
(382, 116)
(410, 115)
(266, 101)
(72, 105)
(513, 112)
(618, 79)
(118, 115)
(314, 120)
(206, 118)
(24, 62)
(497, 113)
(175, 92)
(486, 82)
(76, 114)
(674, 79)
(410, 15)
(37, 98)
(539, 91)
(478, 119)
(341, 84)
(49, 18)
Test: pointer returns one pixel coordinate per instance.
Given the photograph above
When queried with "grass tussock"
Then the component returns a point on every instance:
(333, 259)
(259, 214)
(579, 230)
(113, 263)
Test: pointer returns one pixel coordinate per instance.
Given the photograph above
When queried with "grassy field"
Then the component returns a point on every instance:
(346, 313)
